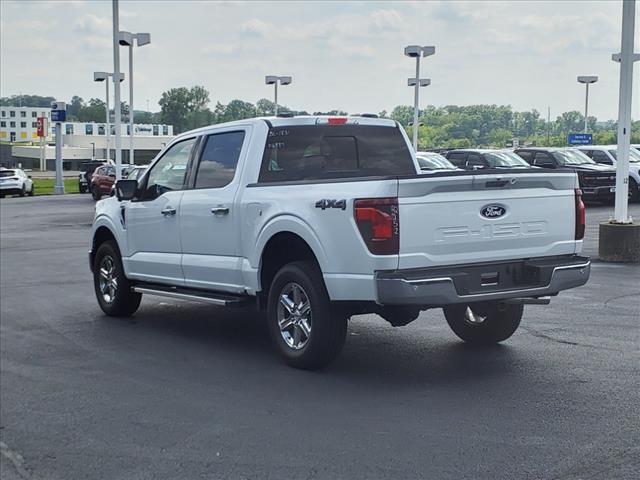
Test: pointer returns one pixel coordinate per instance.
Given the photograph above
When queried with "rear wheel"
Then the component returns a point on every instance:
(96, 193)
(112, 288)
(32, 190)
(483, 323)
(305, 328)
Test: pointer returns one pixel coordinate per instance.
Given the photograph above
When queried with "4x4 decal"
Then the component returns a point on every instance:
(324, 204)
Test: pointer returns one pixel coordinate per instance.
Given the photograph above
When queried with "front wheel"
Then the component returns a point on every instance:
(96, 193)
(305, 328)
(113, 289)
(483, 323)
(23, 191)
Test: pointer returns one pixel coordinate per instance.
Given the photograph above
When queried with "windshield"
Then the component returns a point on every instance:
(434, 161)
(7, 173)
(505, 159)
(634, 155)
(572, 157)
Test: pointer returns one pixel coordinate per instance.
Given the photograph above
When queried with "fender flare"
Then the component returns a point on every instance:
(289, 224)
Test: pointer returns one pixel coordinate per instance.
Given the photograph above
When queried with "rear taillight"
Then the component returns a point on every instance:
(379, 224)
(580, 215)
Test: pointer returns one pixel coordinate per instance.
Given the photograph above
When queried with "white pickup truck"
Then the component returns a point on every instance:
(316, 219)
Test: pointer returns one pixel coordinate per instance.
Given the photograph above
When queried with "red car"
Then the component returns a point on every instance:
(102, 180)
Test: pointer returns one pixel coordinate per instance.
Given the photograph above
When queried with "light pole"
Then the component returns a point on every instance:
(128, 39)
(116, 88)
(104, 77)
(416, 51)
(93, 151)
(587, 79)
(619, 239)
(273, 80)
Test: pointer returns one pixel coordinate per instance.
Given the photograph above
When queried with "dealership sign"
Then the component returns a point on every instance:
(580, 139)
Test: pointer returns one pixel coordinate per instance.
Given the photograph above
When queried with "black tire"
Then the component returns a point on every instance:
(124, 302)
(23, 191)
(328, 328)
(634, 191)
(32, 191)
(498, 323)
(96, 193)
(82, 188)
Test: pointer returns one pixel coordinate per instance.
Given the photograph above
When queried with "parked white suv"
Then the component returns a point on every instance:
(607, 155)
(317, 219)
(15, 182)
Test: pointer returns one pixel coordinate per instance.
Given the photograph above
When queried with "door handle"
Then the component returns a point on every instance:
(167, 211)
(220, 210)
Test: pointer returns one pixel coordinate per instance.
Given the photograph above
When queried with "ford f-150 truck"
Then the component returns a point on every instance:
(316, 219)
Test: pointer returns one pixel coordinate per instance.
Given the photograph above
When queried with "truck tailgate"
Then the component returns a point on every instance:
(448, 220)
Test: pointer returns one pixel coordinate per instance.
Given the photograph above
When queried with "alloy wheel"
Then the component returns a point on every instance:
(107, 281)
(294, 316)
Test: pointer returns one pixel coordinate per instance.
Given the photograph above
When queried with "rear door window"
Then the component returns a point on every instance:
(219, 159)
(317, 152)
(543, 159)
(457, 158)
(527, 156)
(475, 161)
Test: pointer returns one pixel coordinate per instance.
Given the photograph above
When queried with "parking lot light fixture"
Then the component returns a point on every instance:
(417, 51)
(127, 39)
(587, 79)
(104, 77)
(274, 80)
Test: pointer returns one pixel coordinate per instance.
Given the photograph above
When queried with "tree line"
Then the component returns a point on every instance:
(451, 126)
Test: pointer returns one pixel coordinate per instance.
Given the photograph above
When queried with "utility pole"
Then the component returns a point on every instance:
(619, 239)
(548, 126)
(116, 84)
(626, 57)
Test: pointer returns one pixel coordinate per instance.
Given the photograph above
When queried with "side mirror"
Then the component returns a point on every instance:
(126, 189)
(28, 176)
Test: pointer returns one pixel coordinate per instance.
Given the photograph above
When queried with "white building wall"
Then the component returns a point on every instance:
(18, 124)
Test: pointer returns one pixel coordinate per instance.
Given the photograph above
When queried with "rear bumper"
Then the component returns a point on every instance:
(434, 287)
(10, 190)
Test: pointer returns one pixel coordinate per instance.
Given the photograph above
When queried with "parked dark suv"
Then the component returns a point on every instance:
(597, 182)
(477, 158)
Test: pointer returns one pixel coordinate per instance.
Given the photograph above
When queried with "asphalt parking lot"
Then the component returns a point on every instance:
(191, 391)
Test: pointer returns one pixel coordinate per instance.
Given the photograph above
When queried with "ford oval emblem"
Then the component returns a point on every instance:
(493, 211)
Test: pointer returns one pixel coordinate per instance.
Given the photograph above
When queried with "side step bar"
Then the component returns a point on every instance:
(194, 295)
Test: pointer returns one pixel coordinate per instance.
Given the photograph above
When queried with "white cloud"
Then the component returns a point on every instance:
(256, 27)
(90, 23)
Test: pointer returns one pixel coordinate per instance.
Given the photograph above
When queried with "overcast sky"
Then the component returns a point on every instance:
(346, 55)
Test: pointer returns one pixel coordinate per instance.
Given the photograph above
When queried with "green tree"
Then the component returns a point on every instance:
(174, 107)
(73, 108)
(93, 111)
(264, 107)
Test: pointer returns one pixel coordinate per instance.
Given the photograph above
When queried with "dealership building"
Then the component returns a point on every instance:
(81, 141)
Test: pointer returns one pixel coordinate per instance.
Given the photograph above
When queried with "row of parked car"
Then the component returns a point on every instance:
(594, 164)
(99, 177)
